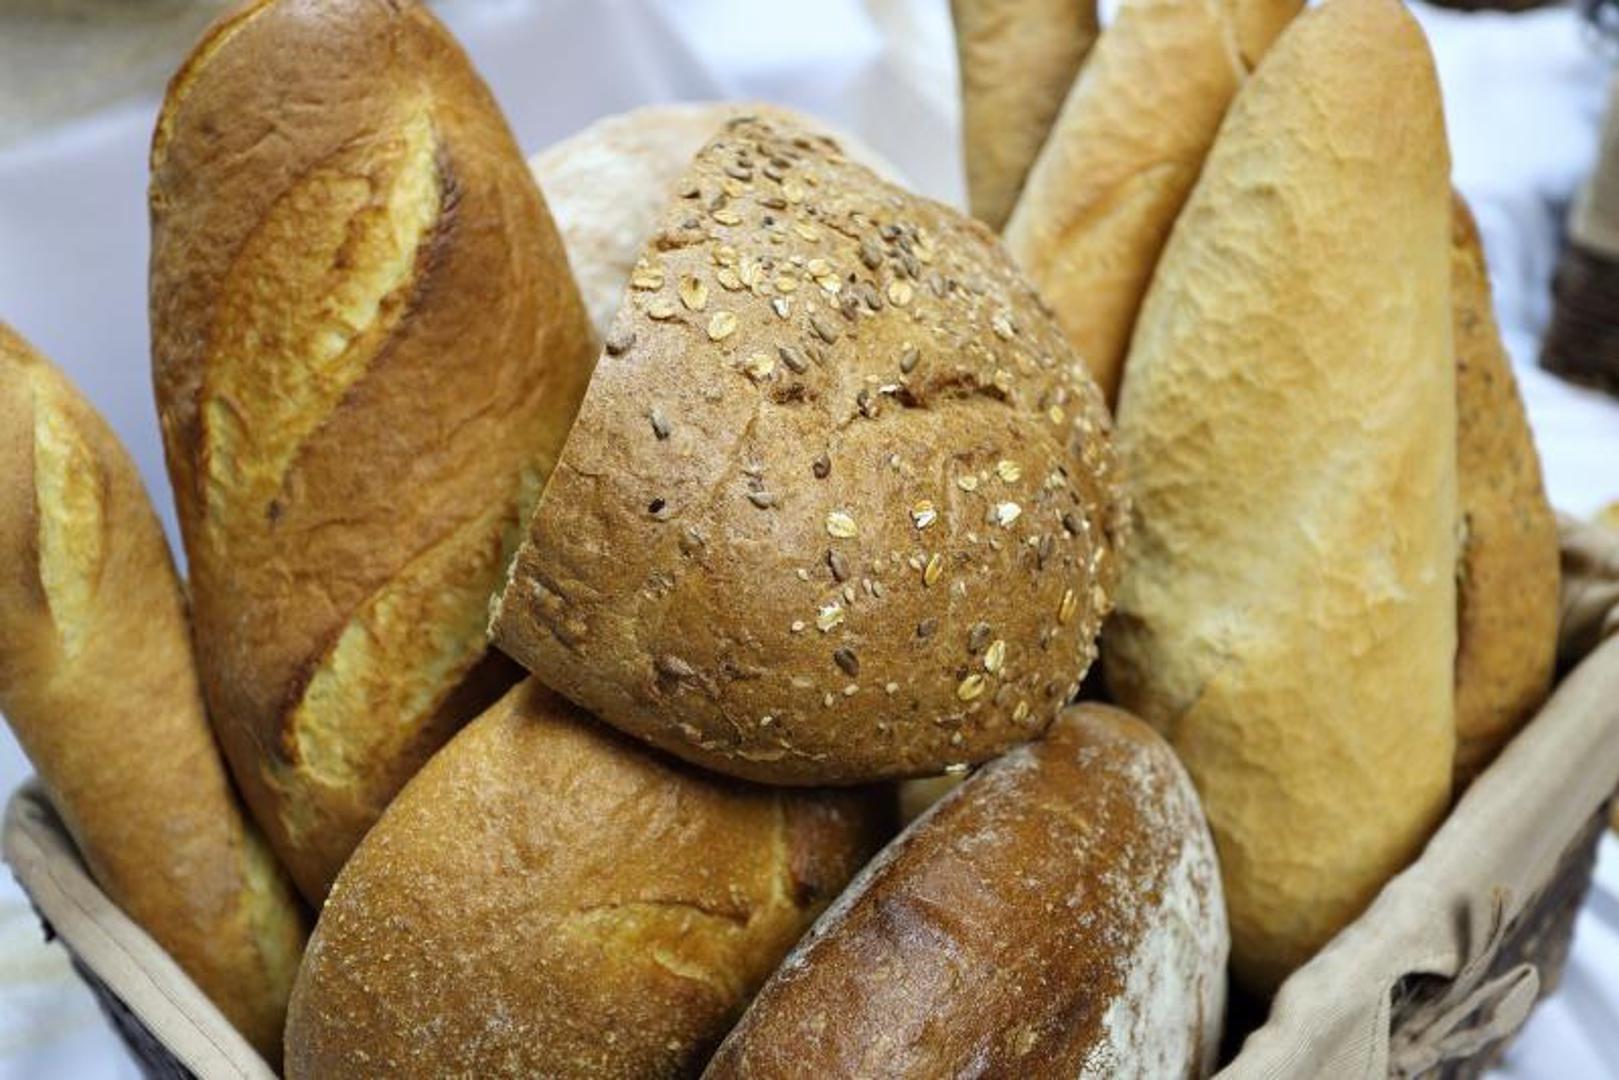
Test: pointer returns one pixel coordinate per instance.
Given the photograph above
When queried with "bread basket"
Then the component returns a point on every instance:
(1434, 979)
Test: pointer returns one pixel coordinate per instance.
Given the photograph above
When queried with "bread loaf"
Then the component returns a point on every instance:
(1287, 613)
(1058, 915)
(608, 185)
(915, 796)
(1122, 157)
(1017, 60)
(367, 351)
(98, 685)
(840, 503)
(548, 898)
(1507, 580)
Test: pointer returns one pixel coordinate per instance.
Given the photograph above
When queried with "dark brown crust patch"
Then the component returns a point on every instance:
(995, 937)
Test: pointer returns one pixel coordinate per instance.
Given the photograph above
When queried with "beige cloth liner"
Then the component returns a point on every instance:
(1443, 916)
(1593, 224)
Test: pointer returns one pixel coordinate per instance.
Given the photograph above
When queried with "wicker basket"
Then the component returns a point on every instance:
(1582, 340)
(1540, 938)
(1506, 6)
(1433, 980)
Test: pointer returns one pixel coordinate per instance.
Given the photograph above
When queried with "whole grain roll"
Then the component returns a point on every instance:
(608, 185)
(840, 503)
(1057, 915)
(1017, 59)
(98, 684)
(1508, 578)
(367, 351)
(1122, 157)
(1287, 613)
(548, 898)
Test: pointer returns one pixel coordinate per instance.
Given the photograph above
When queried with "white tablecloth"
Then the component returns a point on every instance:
(1523, 98)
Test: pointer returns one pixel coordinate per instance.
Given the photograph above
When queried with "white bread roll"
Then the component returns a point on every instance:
(608, 185)
(1288, 427)
(1122, 157)
(1508, 577)
(1017, 59)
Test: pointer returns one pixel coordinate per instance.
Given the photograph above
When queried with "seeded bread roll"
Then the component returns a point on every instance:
(1057, 915)
(98, 685)
(840, 504)
(548, 898)
(1508, 577)
(367, 351)
(1287, 614)
(1017, 60)
(607, 186)
(1124, 153)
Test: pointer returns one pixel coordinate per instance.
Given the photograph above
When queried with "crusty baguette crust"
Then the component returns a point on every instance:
(1287, 614)
(1508, 577)
(549, 898)
(1017, 59)
(840, 503)
(98, 684)
(367, 350)
(608, 185)
(1122, 157)
(1058, 915)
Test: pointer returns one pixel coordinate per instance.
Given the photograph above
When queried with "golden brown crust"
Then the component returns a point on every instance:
(549, 898)
(367, 350)
(856, 521)
(1017, 59)
(98, 684)
(1122, 157)
(1287, 613)
(1057, 915)
(1508, 576)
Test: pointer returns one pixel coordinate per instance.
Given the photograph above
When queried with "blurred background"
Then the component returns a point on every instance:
(79, 85)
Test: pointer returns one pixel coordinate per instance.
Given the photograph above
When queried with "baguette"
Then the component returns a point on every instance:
(1017, 60)
(840, 503)
(1126, 149)
(548, 898)
(1507, 580)
(97, 683)
(367, 351)
(1057, 915)
(1287, 614)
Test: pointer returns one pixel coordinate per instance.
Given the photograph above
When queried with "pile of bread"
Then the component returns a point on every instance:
(783, 484)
